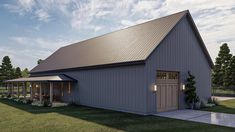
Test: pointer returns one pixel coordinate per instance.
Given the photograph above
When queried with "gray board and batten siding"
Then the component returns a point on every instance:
(180, 51)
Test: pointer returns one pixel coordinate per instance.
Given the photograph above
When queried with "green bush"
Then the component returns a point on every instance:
(46, 103)
(213, 101)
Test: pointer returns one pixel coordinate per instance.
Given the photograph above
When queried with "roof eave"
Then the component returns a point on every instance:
(139, 62)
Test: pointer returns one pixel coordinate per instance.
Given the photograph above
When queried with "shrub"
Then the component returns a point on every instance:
(29, 101)
(213, 101)
(46, 103)
(191, 97)
(8, 96)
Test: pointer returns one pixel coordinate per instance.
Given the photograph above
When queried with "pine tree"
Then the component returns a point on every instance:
(7, 71)
(25, 73)
(40, 61)
(221, 64)
(17, 72)
(230, 74)
(190, 90)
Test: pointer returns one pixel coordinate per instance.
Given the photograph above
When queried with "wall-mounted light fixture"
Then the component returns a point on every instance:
(36, 86)
(183, 87)
(154, 88)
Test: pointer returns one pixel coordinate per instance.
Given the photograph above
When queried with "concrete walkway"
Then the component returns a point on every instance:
(223, 98)
(220, 119)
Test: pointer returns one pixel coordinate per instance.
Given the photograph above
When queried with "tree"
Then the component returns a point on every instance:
(190, 91)
(40, 61)
(230, 74)
(221, 64)
(18, 72)
(7, 71)
(25, 73)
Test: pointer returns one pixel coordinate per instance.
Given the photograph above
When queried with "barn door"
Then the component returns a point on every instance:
(167, 91)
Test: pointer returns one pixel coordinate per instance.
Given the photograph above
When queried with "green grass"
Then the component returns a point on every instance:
(223, 92)
(21, 117)
(227, 106)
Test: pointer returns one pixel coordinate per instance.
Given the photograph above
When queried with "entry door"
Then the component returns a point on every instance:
(167, 91)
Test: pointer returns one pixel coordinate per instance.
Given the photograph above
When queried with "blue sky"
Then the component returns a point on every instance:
(34, 29)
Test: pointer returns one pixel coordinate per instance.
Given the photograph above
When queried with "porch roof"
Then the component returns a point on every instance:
(54, 78)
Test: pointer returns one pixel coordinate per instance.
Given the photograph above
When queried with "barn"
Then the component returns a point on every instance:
(140, 69)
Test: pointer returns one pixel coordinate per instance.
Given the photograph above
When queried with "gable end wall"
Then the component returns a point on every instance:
(179, 51)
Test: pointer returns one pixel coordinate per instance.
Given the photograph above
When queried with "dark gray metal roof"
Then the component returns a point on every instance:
(56, 78)
(132, 44)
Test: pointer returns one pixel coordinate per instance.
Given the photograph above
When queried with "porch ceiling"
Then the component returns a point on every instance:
(55, 78)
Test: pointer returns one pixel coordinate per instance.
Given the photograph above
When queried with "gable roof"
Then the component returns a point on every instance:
(133, 44)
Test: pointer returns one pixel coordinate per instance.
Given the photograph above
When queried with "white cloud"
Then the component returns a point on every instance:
(21, 7)
(25, 51)
(41, 43)
(148, 8)
(42, 15)
(19, 40)
(87, 15)
(127, 23)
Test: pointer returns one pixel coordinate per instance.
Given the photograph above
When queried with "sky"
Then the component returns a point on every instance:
(34, 29)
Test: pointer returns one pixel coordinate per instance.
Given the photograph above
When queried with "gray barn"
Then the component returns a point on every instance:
(140, 69)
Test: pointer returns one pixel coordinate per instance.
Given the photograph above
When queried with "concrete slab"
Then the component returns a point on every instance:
(220, 119)
(219, 98)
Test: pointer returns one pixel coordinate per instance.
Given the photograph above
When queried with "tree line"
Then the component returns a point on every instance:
(223, 75)
(7, 71)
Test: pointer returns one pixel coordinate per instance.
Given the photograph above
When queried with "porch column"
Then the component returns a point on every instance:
(40, 92)
(24, 89)
(31, 91)
(12, 89)
(18, 90)
(51, 92)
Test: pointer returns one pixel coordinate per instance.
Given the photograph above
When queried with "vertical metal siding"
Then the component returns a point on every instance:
(118, 88)
(179, 51)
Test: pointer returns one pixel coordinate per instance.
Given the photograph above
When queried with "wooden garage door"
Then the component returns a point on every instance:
(167, 91)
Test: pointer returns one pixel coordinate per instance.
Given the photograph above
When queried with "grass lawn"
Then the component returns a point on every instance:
(20, 117)
(227, 106)
(223, 92)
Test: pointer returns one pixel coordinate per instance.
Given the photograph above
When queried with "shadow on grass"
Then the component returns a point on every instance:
(118, 120)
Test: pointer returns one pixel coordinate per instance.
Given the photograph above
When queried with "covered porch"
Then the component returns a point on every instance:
(56, 88)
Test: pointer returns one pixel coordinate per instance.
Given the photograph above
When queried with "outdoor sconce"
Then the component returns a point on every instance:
(36, 86)
(183, 87)
(30, 86)
(155, 88)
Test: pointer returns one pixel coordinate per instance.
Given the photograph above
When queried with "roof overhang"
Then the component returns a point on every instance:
(54, 78)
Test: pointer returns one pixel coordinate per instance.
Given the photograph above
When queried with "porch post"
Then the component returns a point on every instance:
(51, 92)
(40, 92)
(12, 89)
(18, 90)
(24, 89)
(31, 90)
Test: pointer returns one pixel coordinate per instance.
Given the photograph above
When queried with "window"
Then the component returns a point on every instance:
(162, 75)
(172, 75)
(167, 75)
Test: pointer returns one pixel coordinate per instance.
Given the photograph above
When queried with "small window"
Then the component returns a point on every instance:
(162, 75)
(172, 75)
